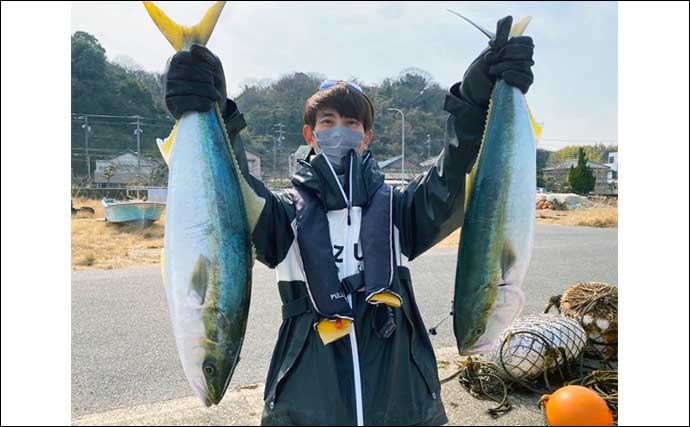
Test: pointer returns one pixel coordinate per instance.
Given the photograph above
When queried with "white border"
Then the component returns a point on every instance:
(653, 213)
(35, 223)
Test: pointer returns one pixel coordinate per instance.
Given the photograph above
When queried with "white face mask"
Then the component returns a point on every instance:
(335, 143)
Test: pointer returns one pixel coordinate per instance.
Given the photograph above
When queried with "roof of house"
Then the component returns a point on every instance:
(302, 152)
(251, 154)
(573, 163)
(430, 161)
(389, 162)
(145, 160)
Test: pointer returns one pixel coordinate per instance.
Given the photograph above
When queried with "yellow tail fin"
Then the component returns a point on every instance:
(180, 36)
(519, 28)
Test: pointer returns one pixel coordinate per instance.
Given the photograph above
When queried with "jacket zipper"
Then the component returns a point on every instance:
(349, 201)
(353, 335)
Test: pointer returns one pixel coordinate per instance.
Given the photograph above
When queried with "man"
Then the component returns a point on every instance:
(352, 348)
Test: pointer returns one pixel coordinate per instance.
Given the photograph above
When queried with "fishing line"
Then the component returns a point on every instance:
(434, 331)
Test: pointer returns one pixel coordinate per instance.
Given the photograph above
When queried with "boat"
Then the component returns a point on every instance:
(140, 212)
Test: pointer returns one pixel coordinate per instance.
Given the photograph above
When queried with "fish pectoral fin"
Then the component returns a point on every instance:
(180, 36)
(200, 278)
(507, 259)
(332, 330)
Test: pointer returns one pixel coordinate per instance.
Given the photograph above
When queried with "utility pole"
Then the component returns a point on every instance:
(87, 130)
(277, 140)
(428, 146)
(402, 174)
(138, 132)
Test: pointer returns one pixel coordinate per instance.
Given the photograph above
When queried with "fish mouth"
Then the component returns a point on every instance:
(482, 346)
(209, 401)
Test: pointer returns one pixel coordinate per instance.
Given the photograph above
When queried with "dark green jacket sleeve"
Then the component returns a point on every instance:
(272, 236)
(432, 206)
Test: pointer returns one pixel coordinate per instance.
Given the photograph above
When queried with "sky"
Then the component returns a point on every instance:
(575, 93)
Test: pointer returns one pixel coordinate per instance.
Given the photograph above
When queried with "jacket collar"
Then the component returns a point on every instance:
(317, 176)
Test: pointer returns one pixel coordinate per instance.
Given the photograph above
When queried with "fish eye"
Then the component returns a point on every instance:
(209, 369)
(477, 332)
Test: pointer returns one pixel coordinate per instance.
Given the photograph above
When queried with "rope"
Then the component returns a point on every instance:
(479, 378)
(492, 381)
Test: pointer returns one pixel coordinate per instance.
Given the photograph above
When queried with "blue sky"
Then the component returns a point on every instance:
(576, 74)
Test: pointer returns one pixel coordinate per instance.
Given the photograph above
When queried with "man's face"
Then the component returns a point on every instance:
(329, 118)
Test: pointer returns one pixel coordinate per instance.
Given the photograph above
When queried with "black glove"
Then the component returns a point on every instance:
(508, 59)
(194, 81)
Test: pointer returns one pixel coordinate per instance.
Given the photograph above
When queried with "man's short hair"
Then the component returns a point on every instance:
(343, 99)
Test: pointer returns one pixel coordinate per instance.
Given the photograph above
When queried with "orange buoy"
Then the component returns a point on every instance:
(575, 405)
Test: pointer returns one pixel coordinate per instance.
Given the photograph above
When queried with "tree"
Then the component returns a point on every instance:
(581, 178)
(88, 57)
(108, 173)
(542, 159)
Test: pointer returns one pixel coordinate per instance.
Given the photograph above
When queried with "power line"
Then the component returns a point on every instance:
(594, 140)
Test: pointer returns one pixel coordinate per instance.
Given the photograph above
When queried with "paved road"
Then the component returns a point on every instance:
(123, 352)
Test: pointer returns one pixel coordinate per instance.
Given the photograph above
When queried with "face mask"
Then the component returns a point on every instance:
(336, 142)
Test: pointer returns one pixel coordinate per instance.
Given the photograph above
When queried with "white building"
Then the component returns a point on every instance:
(254, 164)
(124, 169)
(612, 163)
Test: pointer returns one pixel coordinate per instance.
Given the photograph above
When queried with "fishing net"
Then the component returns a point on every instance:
(536, 345)
(539, 353)
(542, 353)
(595, 306)
(531, 353)
(481, 380)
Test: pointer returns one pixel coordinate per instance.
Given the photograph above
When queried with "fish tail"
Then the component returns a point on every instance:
(517, 29)
(182, 37)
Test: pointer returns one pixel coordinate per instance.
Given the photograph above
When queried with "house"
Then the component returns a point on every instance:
(301, 154)
(613, 167)
(254, 163)
(428, 163)
(123, 169)
(558, 175)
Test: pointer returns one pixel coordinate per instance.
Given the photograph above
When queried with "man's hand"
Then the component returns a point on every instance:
(507, 59)
(194, 81)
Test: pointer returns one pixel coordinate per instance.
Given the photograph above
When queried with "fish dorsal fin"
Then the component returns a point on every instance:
(471, 179)
(200, 279)
(182, 37)
(507, 259)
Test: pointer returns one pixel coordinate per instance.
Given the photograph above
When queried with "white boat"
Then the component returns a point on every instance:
(143, 213)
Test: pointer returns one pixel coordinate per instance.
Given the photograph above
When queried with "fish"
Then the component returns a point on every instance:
(207, 256)
(498, 230)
